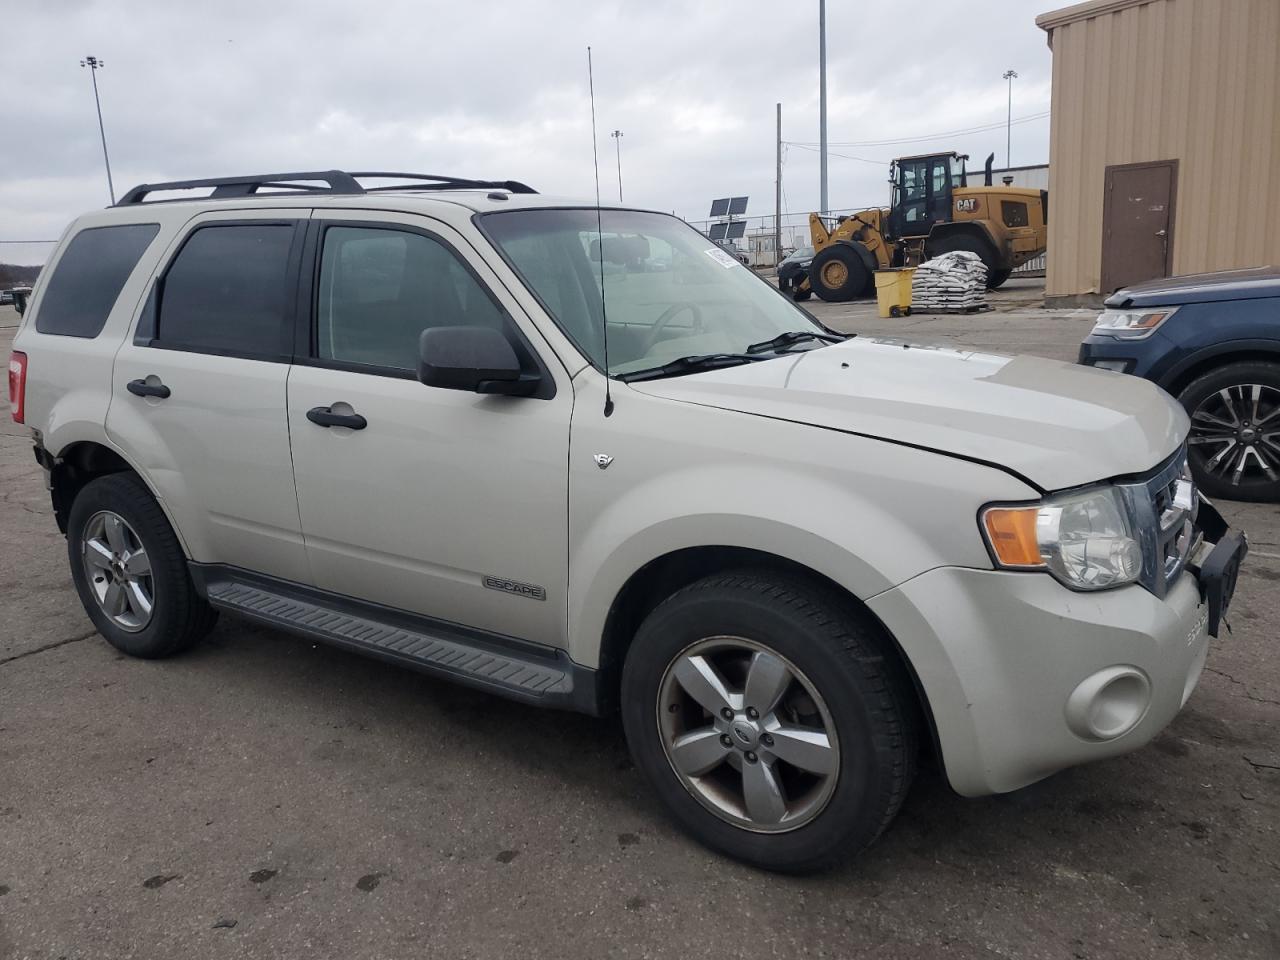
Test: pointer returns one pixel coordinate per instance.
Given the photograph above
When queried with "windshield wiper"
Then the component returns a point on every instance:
(692, 364)
(792, 336)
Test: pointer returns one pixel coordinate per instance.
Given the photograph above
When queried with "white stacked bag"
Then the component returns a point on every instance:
(953, 281)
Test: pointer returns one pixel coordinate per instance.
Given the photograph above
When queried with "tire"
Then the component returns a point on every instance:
(178, 617)
(984, 250)
(801, 295)
(861, 700)
(1213, 434)
(837, 274)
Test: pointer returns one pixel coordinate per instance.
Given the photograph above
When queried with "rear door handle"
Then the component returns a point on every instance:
(325, 417)
(140, 388)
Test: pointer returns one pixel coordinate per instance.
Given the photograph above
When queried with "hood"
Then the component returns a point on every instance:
(1251, 284)
(1055, 424)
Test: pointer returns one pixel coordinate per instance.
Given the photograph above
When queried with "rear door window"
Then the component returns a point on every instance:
(230, 291)
(89, 277)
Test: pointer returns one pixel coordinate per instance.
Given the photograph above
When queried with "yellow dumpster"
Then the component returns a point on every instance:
(893, 291)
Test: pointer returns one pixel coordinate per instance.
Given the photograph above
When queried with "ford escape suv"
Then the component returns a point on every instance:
(582, 458)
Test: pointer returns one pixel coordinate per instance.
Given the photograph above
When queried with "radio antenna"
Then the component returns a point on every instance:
(604, 315)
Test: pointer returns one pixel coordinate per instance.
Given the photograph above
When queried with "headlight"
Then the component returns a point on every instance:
(1085, 540)
(1135, 324)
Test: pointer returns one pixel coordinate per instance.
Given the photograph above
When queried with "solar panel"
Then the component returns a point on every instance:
(717, 231)
(736, 229)
(720, 208)
(737, 206)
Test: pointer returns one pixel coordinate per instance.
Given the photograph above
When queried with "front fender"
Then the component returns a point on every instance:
(867, 514)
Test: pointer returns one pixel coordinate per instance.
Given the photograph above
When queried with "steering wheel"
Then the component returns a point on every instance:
(661, 323)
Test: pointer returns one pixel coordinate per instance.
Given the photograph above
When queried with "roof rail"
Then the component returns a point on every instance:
(339, 182)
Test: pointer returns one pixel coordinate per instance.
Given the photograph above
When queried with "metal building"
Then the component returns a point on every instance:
(1165, 140)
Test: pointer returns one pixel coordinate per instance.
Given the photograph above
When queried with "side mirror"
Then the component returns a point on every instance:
(479, 359)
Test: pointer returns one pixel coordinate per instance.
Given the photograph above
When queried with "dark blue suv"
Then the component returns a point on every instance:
(1213, 341)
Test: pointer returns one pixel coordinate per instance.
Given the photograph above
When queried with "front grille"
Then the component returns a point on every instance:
(1164, 506)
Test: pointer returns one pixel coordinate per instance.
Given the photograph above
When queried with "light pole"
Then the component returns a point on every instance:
(1009, 75)
(94, 65)
(822, 105)
(617, 142)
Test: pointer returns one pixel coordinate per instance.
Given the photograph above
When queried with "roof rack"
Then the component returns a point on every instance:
(338, 182)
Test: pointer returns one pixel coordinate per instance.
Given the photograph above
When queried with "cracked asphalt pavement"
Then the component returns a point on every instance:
(266, 797)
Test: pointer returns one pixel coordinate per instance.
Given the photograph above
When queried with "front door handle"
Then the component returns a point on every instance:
(140, 388)
(325, 417)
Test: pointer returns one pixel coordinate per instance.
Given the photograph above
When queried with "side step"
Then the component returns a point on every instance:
(506, 666)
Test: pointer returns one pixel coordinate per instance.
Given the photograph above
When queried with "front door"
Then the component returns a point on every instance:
(1137, 223)
(445, 503)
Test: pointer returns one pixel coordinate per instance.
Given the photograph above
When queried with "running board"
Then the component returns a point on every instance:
(506, 666)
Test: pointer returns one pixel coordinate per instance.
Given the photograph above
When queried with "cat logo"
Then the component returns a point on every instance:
(966, 204)
(528, 590)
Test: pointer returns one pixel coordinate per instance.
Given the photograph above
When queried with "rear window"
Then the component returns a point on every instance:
(227, 292)
(89, 277)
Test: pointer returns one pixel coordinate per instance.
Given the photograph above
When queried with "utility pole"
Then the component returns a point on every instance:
(822, 104)
(94, 65)
(1009, 75)
(617, 142)
(777, 200)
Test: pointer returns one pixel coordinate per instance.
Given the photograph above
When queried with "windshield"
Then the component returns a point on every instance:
(670, 293)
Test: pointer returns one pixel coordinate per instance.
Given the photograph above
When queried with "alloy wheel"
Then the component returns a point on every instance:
(1235, 433)
(748, 734)
(118, 571)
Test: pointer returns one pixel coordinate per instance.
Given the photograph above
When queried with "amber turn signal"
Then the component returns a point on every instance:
(1011, 531)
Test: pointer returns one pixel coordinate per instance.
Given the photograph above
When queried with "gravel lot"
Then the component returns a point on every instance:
(264, 797)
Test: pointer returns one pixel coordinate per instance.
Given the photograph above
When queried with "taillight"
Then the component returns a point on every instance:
(17, 385)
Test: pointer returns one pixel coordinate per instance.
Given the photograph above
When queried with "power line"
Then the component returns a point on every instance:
(28, 241)
(964, 131)
(843, 156)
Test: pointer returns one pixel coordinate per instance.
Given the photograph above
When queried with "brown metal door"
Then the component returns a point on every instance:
(1137, 223)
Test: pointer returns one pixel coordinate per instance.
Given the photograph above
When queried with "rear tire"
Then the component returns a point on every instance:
(150, 614)
(837, 274)
(801, 295)
(1226, 428)
(844, 693)
(986, 253)
(996, 278)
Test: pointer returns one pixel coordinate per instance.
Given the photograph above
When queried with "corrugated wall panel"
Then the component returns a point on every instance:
(1197, 81)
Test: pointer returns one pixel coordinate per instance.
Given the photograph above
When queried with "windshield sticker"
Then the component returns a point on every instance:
(720, 257)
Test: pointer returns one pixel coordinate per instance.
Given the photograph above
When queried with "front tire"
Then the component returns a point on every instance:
(764, 712)
(1234, 444)
(837, 274)
(130, 571)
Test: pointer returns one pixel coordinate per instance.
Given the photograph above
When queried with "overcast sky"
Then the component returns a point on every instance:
(498, 89)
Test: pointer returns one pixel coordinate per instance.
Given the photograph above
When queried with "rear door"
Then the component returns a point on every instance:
(1137, 223)
(444, 503)
(198, 398)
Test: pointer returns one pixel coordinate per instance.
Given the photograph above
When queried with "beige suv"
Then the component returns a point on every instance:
(582, 458)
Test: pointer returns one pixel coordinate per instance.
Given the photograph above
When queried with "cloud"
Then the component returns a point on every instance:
(499, 90)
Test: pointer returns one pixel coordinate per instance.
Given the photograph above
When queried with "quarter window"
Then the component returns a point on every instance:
(227, 291)
(89, 277)
(380, 288)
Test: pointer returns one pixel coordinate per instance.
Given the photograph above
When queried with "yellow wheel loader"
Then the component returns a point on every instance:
(933, 211)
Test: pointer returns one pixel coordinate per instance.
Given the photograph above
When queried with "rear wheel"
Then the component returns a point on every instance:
(996, 278)
(765, 715)
(966, 241)
(837, 274)
(1234, 444)
(130, 571)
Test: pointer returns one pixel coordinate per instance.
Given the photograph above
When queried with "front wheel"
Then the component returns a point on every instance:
(765, 714)
(1234, 444)
(837, 274)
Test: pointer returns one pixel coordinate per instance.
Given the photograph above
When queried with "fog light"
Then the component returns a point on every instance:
(1108, 704)
(1119, 366)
